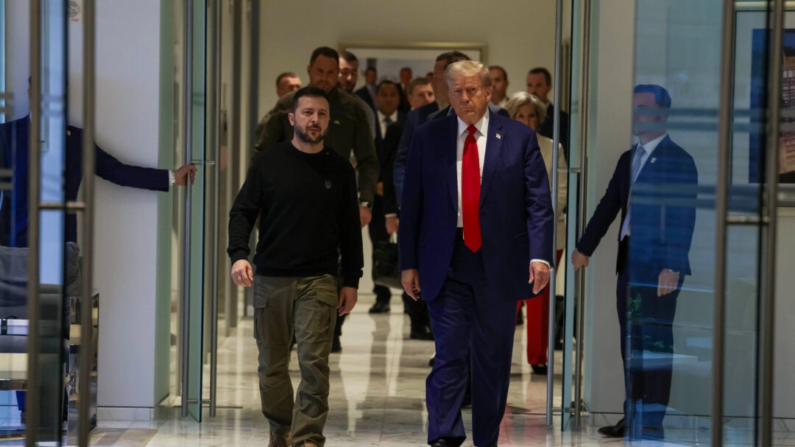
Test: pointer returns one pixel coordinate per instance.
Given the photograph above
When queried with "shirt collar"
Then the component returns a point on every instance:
(393, 117)
(652, 145)
(482, 125)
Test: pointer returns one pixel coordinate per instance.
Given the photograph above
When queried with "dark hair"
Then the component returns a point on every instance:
(543, 71)
(497, 67)
(310, 92)
(369, 69)
(286, 74)
(406, 68)
(452, 57)
(330, 53)
(415, 82)
(661, 96)
(383, 83)
(349, 57)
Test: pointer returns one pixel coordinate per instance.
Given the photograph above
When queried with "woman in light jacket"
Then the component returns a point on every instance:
(529, 110)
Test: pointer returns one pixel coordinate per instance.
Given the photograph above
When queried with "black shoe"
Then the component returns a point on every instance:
(443, 442)
(614, 431)
(467, 402)
(421, 333)
(336, 346)
(519, 318)
(541, 370)
(380, 308)
(432, 361)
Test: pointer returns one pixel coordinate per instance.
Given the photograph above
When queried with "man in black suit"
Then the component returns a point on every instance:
(654, 187)
(406, 75)
(385, 210)
(367, 93)
(539, 83)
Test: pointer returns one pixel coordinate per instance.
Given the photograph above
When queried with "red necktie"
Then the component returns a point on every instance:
(470, 191)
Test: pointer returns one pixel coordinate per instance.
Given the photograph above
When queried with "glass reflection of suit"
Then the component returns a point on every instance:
(657, 222)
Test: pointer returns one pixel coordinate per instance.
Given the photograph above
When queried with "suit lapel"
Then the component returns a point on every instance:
(449, 158)
(493, 149)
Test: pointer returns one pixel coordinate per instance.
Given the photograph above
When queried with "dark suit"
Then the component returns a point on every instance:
(547, 127)
(414, 119)
(385, 146)
(662, 218)
(364, 93)
(14, 137)
(472, 296)
(405, 105)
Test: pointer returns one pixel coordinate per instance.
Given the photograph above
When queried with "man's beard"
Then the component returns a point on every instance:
(303, 136)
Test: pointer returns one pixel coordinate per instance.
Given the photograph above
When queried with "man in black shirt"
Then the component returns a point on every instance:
(349, 129)
(305, 197)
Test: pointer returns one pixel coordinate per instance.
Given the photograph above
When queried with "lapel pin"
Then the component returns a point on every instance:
(336, 122)
(499, 137)
(653, 160)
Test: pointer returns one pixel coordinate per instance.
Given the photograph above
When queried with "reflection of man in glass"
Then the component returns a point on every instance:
(662, 180)
(14, 156)
(14, 147)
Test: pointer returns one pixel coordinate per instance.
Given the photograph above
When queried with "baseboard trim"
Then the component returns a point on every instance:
(125, 414)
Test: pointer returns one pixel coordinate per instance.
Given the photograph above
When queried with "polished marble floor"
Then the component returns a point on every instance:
(377, 396)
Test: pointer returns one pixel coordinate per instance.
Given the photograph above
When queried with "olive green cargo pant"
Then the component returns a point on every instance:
(308, 308)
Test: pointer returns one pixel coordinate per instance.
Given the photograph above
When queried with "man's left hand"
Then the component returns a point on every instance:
(348, 299)
(365, 216)
(667, 282)
(539, 276)
(184, 173)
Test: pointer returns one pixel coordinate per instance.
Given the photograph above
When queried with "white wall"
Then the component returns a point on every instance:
(519, 33)
(127, 95)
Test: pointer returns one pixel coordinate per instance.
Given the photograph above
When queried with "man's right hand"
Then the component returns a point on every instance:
(242, 273)
(411, 283)
(579, 260)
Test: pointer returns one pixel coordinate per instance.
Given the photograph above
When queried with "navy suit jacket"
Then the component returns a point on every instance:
(515, 207)
(663, 211)
(14, 137)
(414, 119)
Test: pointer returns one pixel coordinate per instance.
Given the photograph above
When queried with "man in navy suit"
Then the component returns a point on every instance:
(654, 187)
(437, 109)
(475, 238)
(14, 136)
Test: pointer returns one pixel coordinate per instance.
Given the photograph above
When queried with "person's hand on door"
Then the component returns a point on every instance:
(184, 173)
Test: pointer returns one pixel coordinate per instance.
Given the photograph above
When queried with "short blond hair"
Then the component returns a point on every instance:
(519, 99)
(468, 69)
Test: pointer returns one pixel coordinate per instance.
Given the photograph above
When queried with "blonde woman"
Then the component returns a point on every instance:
(528, 109)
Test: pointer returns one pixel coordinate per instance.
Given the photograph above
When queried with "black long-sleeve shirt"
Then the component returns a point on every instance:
(309, 215)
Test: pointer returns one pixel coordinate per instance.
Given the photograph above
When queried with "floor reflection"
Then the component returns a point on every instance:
(377, 396)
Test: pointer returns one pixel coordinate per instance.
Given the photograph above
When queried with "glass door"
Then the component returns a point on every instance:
(682, 141)
(195, 206)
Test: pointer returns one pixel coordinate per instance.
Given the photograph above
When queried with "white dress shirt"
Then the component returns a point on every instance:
(647, 148)
(481, 136)
(382, 121)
